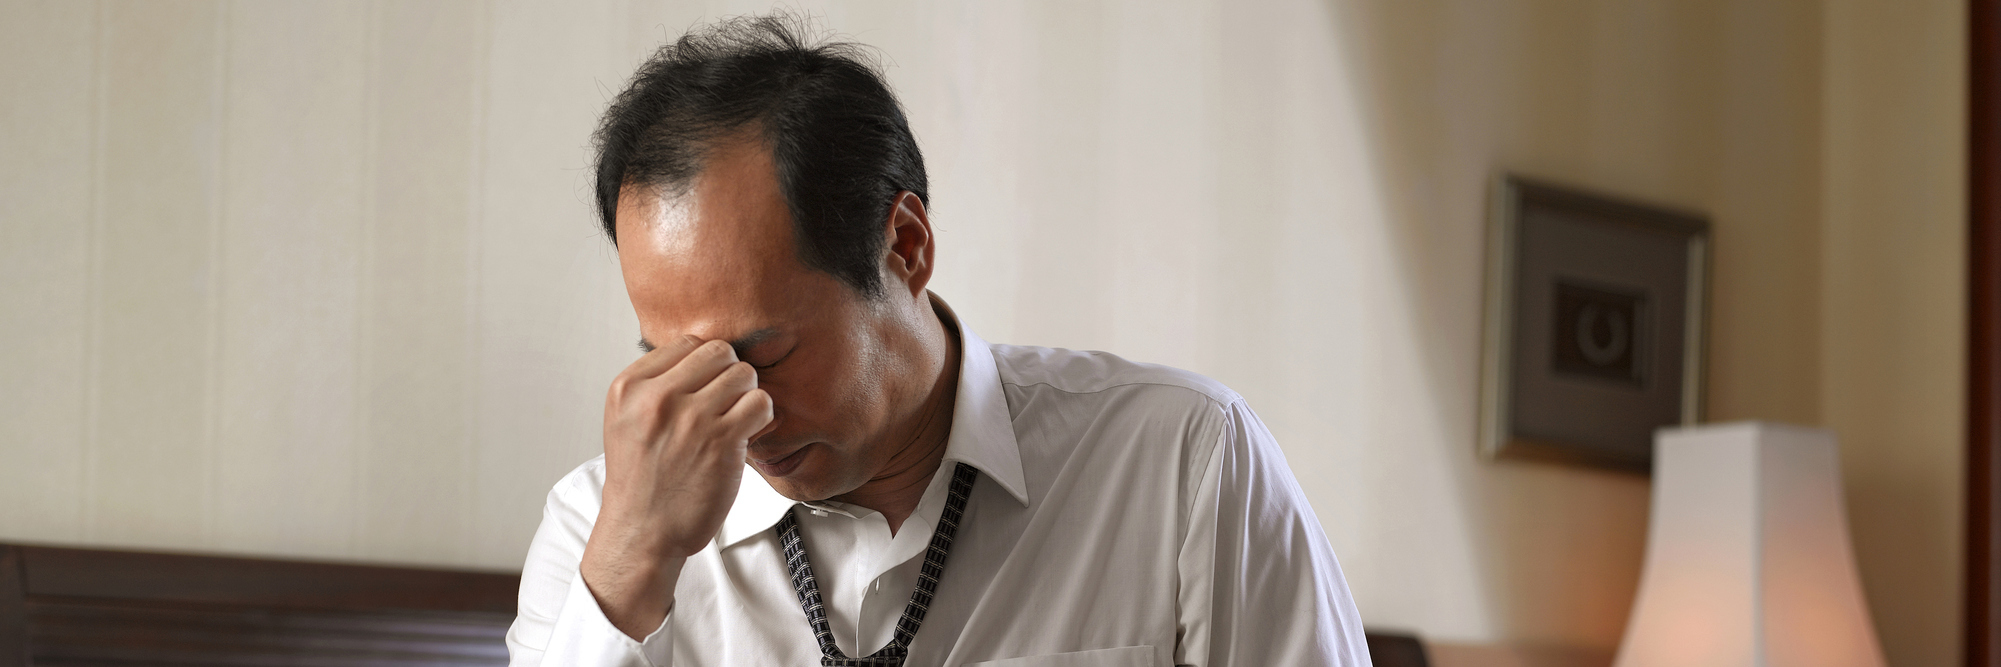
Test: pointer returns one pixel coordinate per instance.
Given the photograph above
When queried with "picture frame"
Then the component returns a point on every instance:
(1595, 319)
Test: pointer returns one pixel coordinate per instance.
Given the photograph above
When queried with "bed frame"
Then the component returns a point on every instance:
(62, 607)
(87, 607)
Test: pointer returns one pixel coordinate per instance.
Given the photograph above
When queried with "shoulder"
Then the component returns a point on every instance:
(1093, 372)
(1064, 402)
(1145, 434)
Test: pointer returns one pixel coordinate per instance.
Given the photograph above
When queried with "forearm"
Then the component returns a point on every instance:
(559, 620)
(634, 588)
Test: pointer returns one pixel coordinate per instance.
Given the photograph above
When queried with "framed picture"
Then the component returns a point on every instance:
(1595, 312)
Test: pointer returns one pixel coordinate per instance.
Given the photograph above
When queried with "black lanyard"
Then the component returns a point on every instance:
(891, 655)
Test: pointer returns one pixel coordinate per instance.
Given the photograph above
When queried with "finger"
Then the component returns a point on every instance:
(750, 414)
(723, 391)
(699, 367)
(663, 357)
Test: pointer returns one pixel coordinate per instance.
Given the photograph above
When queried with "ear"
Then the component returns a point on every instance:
(907, 261)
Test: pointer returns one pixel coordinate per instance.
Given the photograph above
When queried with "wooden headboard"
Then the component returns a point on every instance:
(88, 607)
(77, 607)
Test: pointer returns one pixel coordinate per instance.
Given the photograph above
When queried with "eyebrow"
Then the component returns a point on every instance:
(742, 344)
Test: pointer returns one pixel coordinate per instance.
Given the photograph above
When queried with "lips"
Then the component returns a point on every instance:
(781, 466)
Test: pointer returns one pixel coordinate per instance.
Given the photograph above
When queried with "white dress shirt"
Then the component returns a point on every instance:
(1125, 514)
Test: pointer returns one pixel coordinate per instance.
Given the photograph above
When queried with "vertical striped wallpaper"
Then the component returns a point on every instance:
(320, 279)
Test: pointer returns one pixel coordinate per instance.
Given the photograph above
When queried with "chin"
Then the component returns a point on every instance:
(792, 487)
(802, 484)
(808, 484)
(812, 478)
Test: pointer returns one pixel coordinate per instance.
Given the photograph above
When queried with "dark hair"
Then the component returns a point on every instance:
(837, 134)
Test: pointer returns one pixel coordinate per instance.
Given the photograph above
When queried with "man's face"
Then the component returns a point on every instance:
(718, 262)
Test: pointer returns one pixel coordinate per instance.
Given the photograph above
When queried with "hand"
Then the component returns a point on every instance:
(676, 423)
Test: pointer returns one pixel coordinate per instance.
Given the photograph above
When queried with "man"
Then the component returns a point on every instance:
(919, 496)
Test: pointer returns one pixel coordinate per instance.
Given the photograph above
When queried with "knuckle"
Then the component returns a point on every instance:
(754, 406)
(726, 384)
(702, 354)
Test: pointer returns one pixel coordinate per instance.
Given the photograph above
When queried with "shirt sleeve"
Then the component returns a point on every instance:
(1259, 582)
(558, 621)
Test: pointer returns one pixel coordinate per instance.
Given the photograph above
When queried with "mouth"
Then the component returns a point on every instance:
(782, 465)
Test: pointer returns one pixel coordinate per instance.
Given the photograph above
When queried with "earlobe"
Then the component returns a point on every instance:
(909, 255)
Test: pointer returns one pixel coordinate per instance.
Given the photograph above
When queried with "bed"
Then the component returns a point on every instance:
(90, 607)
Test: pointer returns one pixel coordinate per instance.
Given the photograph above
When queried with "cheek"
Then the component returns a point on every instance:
(807, 400)
(834, 402)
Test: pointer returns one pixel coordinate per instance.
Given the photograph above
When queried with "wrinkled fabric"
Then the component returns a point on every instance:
(1126, 514)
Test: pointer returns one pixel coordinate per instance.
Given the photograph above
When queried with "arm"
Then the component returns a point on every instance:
(676, 424)
(559, 622)
(1259, 582)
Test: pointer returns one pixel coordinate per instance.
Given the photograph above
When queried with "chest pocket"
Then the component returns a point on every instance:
(1129, 656)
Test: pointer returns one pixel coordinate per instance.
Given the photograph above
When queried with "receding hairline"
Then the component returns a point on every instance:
(667, 189)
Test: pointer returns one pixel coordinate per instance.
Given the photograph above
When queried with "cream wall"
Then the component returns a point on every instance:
(1893, 318)
(321, 280)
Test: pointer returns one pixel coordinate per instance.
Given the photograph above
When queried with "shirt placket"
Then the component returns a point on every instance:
(886, 567)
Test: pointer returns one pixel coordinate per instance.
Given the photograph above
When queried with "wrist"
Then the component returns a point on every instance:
(635, 592)
(625, 534)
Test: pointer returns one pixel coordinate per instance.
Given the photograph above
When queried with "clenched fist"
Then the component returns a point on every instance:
(676, 423)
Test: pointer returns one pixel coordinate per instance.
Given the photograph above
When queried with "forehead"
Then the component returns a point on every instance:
(716, 257)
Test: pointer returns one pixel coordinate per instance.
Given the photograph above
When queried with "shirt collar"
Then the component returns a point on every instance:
(982, 436)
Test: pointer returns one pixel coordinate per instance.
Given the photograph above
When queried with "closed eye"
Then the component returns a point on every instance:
(775, 362)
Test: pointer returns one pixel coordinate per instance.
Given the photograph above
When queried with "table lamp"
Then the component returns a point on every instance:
(1748, 561)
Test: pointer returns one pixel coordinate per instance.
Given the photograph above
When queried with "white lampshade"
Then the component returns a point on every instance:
(1748, 563)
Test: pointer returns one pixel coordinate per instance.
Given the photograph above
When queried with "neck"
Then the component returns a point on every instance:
(896, 489)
